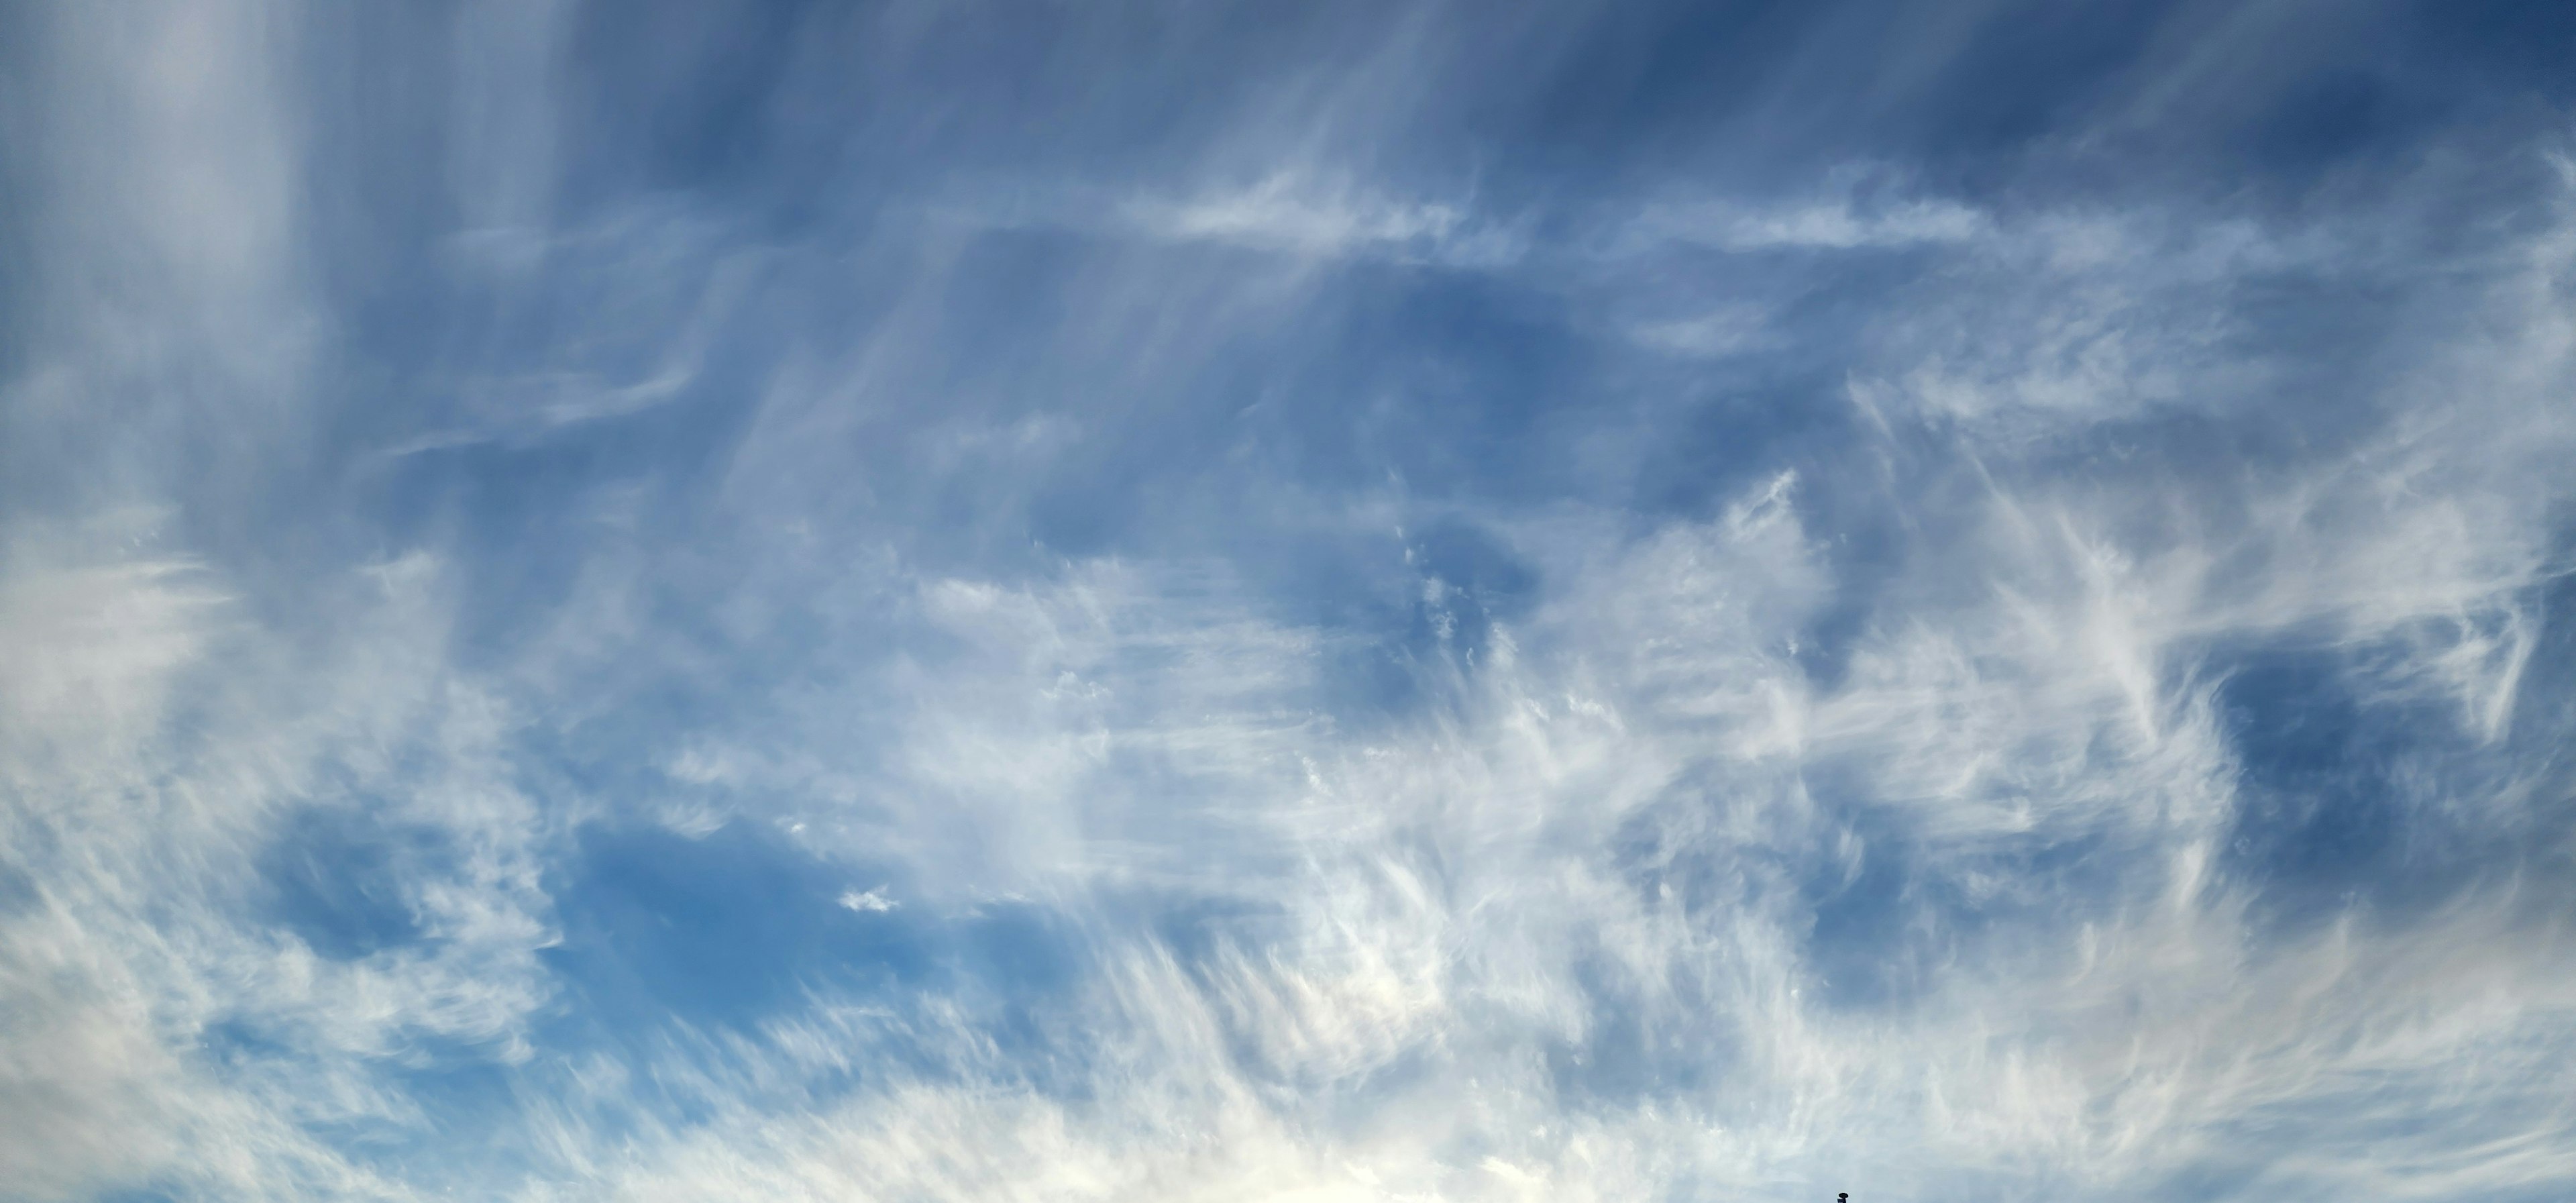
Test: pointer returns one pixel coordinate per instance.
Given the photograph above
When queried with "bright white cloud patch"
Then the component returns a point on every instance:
(1825, 226)
(871, 900)
(568, 631)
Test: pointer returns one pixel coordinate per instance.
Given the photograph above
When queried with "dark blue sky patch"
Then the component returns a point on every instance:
(173, 1193)
(1665, 865)
(1019, 950)
(1631, 1053)
(2340, 794)
(1469, 582)
(1707, 453)
(1435, 385)
(678, 96)
(2026, 70)
(2320, 817)
(2330, 117)
(1877, 938)
(1657, 75)
(1020, 965)
(670, 941)
(471, 1100)
(721, 930)
(1456, 383)
(237, 1043)
(2507, 46)
(343, 878)
(18, 890)
(462, 1097)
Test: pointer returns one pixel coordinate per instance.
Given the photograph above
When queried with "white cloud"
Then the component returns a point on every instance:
(874, 900)
(1604, 841)
(1298, 213)
(1716, 334)
(1832, 225)
(1282, 211)
(1551, 924)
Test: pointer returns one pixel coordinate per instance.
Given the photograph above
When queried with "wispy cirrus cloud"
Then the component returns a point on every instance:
(1297, 214)
(1836, 225)
(1374, 604)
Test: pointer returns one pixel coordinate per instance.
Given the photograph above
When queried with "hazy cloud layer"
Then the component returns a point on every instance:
(1356, 602)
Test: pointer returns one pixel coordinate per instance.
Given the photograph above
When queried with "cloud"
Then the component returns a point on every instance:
(1730, 330)
(873, 900)
(1831, 226)
(1274, 212)
(1295, 213)
(1991, 674)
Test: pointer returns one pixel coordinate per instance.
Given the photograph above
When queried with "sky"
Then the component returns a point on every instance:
(1605, 601)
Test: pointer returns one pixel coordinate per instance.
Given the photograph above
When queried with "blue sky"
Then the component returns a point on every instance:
(1338, 602)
